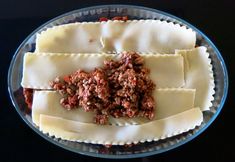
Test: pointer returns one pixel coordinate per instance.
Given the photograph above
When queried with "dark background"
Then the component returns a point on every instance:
(19, 18)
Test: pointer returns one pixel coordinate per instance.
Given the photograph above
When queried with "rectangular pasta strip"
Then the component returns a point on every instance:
(199, 75)
(39, 69)
(168, 102)
(116, 36)
(119, 135)
(48, 103)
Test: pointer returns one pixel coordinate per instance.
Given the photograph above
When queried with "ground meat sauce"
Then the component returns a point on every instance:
(122, 18)
(120, 89)
(28, 96)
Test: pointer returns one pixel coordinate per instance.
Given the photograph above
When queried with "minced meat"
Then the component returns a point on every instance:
(28, 96)
(121, 18)
(120, 89)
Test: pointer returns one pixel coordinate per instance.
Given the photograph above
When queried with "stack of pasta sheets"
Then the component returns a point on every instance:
(183, 75)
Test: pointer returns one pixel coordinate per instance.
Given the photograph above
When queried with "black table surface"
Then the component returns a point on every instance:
(20, 18)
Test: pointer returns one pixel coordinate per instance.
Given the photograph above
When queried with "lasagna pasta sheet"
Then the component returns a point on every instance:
(199, 75)
(119, 135)
(168, 102)
(116, 36)
(167, 71)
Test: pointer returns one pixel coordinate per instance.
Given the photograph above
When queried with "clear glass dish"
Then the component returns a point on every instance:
(140, 150)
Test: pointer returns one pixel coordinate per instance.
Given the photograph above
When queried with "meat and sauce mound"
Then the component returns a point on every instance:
(120, 88)
(28, 96)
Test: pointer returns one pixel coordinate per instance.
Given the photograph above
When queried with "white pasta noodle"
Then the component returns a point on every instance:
(199, 75)
(116, 36)
(48, 103)
(168, 102)
(119, 135)
(39, 69)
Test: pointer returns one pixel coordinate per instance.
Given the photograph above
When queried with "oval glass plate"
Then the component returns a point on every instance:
(140, 150)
